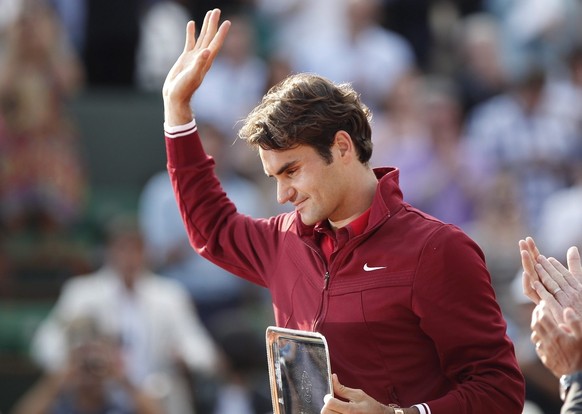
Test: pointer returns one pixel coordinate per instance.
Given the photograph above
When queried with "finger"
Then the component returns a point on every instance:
(565, 279)
(545, 295)
(528, 289)
(190, 36)
(339, 388)
(549, 275)
(352, 395)
(201, 65)
(211, 28)
(573, 323)
(574, 265)
(540, 336)
(331, 404)
(543, 292)
(188, 45)
(216, 44)
(527, 262)
(218, 39)
(536, 329)
(536, 315)
(203, 30)
(337, 385)
(533, 249)
(548, 300)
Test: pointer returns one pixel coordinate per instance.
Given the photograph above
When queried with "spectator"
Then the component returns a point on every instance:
(39, 72)
(91, 380)
(152, 317)
(561, 219)
(160, 42)
(556, 321)
(388, 55)
(479, 71)
(301, 28)
(411, 19)
(518, 135)
(544, 30)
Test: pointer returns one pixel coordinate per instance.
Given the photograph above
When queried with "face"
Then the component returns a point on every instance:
(127, 256)
(307, 181)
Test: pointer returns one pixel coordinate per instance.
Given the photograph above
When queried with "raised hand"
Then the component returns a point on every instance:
(188, 72)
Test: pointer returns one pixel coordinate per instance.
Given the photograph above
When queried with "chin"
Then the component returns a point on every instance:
(308, 220)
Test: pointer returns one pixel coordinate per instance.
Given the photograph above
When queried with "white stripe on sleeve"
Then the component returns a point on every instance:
(180, 130)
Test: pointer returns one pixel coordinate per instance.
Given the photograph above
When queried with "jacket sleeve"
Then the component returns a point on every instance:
(238, 243)
(455, 301)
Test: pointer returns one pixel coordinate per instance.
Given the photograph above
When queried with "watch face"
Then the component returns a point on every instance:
(299, 370)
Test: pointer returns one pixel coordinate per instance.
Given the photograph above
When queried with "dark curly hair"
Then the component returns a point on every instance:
(307, 109)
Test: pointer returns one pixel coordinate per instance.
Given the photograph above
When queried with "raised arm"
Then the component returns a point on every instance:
(188, 72)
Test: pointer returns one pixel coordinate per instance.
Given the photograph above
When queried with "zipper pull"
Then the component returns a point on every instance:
(326, 280)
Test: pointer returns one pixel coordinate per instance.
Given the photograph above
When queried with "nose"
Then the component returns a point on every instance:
(284, 193)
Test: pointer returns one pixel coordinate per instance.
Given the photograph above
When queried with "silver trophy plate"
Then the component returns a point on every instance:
(299, 370)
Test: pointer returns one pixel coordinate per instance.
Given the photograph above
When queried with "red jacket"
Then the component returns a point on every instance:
(407, 307)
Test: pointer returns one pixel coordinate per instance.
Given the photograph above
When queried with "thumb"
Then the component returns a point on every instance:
(341, 390)
(573, 260)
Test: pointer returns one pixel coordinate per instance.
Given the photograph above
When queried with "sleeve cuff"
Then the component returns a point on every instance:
(180, 130)
(423, 408)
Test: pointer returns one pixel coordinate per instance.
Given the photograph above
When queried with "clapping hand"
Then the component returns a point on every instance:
(548, 280)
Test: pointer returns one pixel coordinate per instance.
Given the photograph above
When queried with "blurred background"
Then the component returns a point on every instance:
(478, 102)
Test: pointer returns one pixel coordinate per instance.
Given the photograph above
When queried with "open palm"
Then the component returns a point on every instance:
(188, 72)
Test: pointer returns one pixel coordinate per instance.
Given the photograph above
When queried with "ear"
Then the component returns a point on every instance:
(344, 144)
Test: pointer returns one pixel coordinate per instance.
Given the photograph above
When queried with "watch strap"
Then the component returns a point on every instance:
(566, 382)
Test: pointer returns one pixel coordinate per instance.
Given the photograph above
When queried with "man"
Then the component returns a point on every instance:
(557, 319)
(91, 380)
(404, 301)
(152, 317)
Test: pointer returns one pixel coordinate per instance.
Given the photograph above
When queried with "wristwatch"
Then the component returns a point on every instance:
(397, 409)
(566, 382)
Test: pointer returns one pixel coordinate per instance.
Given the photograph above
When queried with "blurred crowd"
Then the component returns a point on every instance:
(479, 103)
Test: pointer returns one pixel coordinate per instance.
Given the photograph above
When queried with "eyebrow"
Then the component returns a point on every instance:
(284, 167)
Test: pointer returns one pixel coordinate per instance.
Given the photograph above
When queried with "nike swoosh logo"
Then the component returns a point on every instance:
(369, 269)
